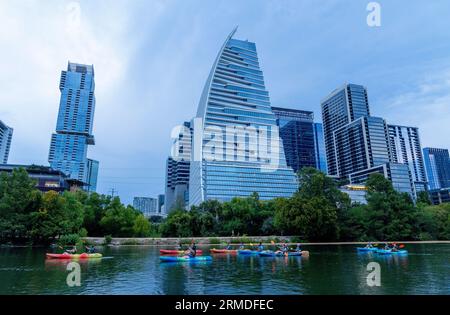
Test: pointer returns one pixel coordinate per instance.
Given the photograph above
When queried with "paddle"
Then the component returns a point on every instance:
(401, 246)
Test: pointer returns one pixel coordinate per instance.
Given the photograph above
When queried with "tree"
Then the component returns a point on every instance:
(141, 227)
(118, 220)
(18, 198)
(177, 224)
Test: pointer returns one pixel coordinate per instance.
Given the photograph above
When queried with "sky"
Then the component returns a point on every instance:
(152, 58)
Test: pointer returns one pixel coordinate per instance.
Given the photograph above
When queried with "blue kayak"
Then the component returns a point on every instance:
(247, 252)
(390, 252)
(183, 258)
(269, 253)
(366, 249)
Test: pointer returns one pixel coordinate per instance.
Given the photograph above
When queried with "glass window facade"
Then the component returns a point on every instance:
(437, 165)
(69, 145)
(5, 142)
(235, 96)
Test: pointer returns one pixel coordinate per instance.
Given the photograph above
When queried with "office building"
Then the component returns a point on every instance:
(320, 152)
(234, 102)
(69, 145)
(92, 174)
(437, 165)
(5, 141)
(438, 196)
(297, 134)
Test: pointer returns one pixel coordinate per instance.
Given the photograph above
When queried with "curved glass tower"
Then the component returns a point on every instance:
(236, 147)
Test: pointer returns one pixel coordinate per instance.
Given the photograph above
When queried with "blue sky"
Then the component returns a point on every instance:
(152, 58)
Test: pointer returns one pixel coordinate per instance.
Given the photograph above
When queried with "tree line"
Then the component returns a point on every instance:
(318, 211)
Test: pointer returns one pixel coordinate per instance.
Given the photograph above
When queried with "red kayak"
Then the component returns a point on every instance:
(73, 256)
(176, 252)
(223, 251)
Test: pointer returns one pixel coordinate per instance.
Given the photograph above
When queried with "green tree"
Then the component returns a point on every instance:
(118, 220)
(177, 224)
(141, 227)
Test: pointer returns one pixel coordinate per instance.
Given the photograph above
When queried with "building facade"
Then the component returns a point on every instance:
(92, 174)
(5, 141)
(69, 145)
(437, 165)
(321, 155)
(297, 134)
(225, 163)
(148, 206)
(177, 170)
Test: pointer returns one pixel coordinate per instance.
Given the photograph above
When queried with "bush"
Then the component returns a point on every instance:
(83, 232)
(107, 240)
(68, 239)
(214, 240)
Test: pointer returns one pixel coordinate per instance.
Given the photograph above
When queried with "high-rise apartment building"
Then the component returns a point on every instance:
(146, 205)
(234, 129)
(358, 144)
(406, 149)
(5, 142)
(69, 145)
(92, 174)
(437, 165)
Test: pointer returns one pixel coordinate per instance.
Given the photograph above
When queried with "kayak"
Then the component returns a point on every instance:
(366, 249)
(223, 251)
(390, 252)
(73, 256)
(176, 252)
(247, 252)
(183, 258)
(269, 253)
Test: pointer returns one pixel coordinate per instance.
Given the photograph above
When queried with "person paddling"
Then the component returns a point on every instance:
(260, 247)
(71, 251)
(228, 247)
(298, 248)
(90, 249)
(241, 246)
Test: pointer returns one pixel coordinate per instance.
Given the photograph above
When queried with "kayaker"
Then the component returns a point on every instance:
(90, 249)
(387, 247)
(228, 247)
(394, 247)
(192, 250)
(369, 245)
(71, 251)
(260, 247)
(179, 247)
(241, 246)
(298, 248)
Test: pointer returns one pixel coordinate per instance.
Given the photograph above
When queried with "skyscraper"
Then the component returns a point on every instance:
(297, 134)
(358, 144)
(68, 148)
(406, 149)
(5, 142)
(321, 155)
(146, 205)
(177, 170)
(92, 173)
(343, 106)
(229, 149)
(437, 165)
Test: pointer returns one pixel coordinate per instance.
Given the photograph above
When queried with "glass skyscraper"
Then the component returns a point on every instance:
(297, 134)
(321, 155)
(69, 145)
(406, 149)
(5, 142)
(437, 165)
(234, 99)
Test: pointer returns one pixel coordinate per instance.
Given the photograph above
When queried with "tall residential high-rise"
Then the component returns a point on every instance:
(406, 149)
(177, 170)
(5, 142)
(297, 132)
(437, 165)
(358, 144)
(225, 162)
(343, 106)
(69, 145)
(321, 154)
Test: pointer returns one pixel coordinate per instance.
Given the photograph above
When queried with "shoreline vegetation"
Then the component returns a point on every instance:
(317, 213)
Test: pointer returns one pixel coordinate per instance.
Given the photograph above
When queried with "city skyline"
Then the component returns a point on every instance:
(411, 90)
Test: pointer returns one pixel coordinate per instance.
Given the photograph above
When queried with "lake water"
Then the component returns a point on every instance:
(137, 270)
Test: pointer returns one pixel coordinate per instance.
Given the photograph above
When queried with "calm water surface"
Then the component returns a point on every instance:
(137, 270)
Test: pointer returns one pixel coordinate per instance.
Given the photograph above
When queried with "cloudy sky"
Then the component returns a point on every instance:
(152, 58)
